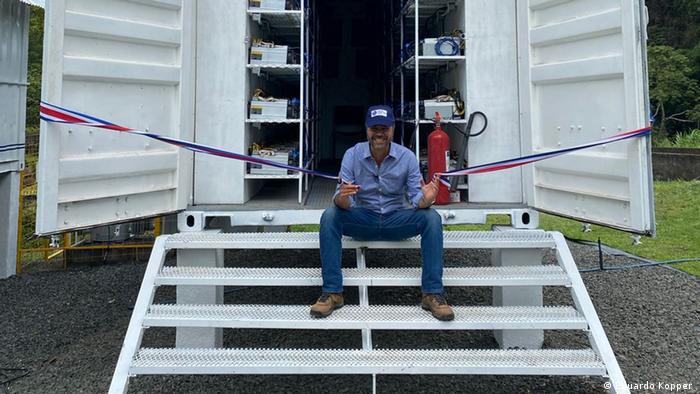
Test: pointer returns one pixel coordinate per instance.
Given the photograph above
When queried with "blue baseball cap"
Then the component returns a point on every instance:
(380, 115)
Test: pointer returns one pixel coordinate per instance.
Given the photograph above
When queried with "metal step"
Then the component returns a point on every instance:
(453, 362)
(518, 239)
(543, 275)
(382, 317)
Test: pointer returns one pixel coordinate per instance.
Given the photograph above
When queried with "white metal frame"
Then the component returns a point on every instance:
(628, 205)
(415, 63)
(521, 218)
(84, 181)
(596, 333)
(303, 92)
(134, 333)
(416, 75)
(599, 360)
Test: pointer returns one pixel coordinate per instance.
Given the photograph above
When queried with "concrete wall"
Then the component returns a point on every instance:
(676, 164)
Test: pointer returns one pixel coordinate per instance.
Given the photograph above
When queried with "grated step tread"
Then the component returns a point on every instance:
(390, 317)
(284, 361)
(545, 275)
(280, 240)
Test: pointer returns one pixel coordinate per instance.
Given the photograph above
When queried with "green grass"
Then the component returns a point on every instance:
(677, 220)
(305, 228)
(683, 140)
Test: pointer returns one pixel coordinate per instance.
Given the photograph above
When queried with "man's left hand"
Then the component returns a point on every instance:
(430, 191)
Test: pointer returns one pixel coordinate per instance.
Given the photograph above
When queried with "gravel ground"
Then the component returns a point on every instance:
(66, 329)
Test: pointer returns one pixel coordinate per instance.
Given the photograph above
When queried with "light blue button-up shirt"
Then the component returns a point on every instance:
(383, 189)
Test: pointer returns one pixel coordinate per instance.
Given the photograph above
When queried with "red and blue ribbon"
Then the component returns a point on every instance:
(521, 161)
(56, 114)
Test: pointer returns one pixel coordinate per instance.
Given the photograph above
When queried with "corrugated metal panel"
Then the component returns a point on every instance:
(38, 3)
(14, 22)
(123, 61)
(586, 83)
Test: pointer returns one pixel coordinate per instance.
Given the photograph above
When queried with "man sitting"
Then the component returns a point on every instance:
(371, 204)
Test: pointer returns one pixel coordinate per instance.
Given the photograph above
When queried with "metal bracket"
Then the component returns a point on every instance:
(526, 219)
(189, 221)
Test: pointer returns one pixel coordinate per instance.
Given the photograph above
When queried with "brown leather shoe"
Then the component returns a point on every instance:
(437, 305)
(326, 304)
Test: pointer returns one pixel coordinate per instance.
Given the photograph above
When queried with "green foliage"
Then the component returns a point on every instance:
(674, 73)
(36, 34)
(36, 48)
(674, 23)
(670, 75)
(694, 56)
(681, 140)
(33, 95)
(674, 92)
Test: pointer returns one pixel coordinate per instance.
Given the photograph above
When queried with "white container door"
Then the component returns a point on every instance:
(131, 63)
(583, 77)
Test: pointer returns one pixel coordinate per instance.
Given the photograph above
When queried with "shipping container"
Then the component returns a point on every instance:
(548, 74)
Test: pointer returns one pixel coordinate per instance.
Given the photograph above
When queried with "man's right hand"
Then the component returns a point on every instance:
(347, 189)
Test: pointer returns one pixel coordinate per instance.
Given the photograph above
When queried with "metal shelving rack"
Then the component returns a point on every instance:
(412, 14)
(286, 23)
(310, 110)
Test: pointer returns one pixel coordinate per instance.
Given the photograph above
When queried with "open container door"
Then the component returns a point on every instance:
(583, 78)
(130, 62)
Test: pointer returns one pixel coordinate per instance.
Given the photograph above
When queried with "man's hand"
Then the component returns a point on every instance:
(430, 192)
(347, 189)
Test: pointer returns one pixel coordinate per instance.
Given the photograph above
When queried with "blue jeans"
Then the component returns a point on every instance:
(364, 224)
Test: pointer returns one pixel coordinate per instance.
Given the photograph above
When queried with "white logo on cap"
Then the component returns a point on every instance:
(379, 112)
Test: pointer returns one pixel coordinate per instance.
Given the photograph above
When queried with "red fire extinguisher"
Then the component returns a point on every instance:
(439, 158)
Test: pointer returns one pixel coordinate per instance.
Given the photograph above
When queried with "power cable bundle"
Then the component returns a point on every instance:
(452, 42)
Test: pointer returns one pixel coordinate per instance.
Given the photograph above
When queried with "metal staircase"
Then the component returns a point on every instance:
(503, 318)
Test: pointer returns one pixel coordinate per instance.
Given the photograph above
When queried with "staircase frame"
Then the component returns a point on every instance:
(366, 360)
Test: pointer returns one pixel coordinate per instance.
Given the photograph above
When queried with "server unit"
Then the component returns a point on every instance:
(268, 55)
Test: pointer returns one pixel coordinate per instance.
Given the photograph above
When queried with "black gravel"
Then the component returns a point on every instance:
(65, 329)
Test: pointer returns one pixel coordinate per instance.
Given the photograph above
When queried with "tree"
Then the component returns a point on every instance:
(36, 48)
(674, 23)
(673, 91)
